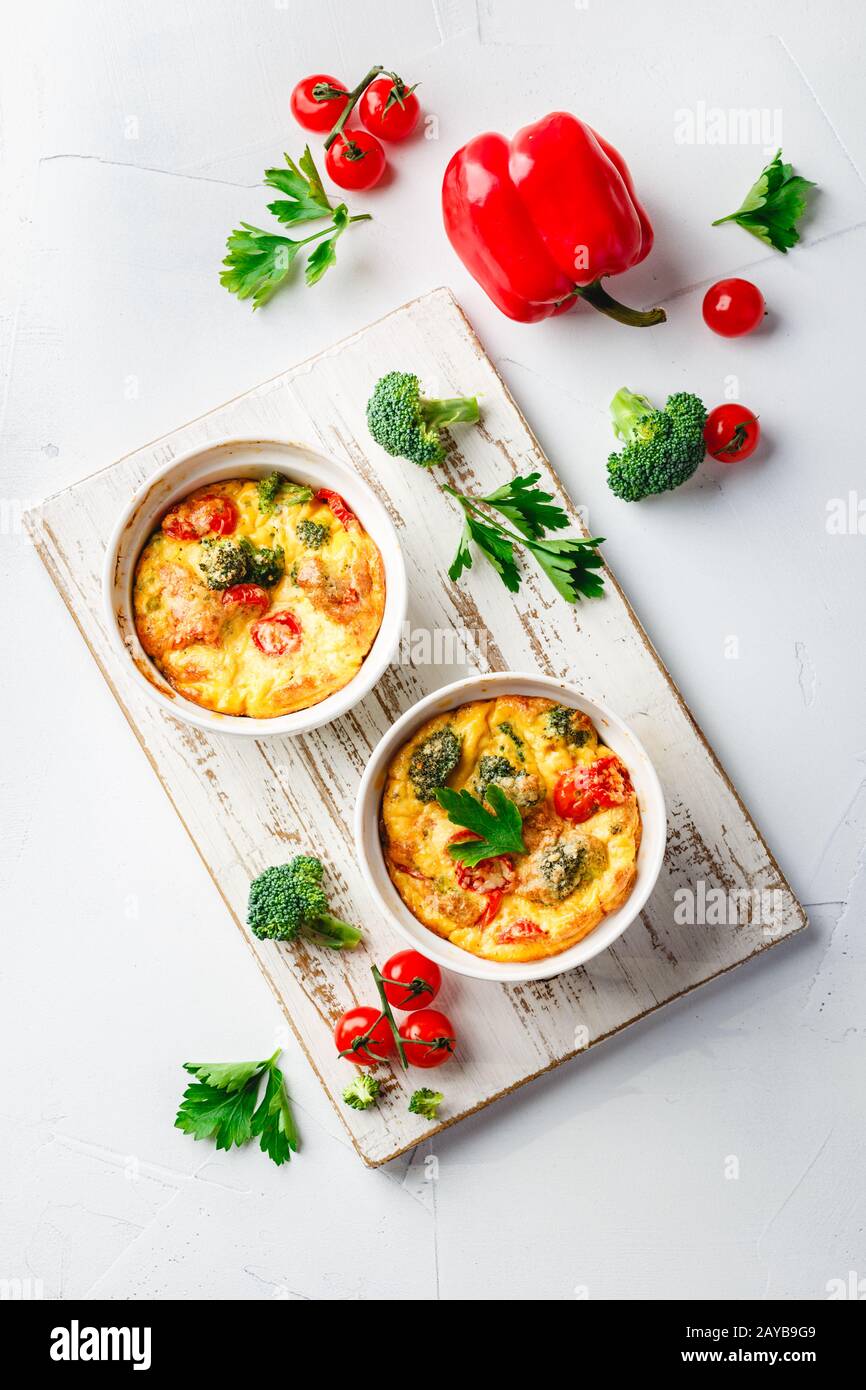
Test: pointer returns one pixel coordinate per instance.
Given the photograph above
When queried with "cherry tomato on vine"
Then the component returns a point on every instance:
(731, 433)
(363, 1036)
(428, 1038)
(355, 160)
(733, 307)
(389, 108)
(318, 102)
(411, 979)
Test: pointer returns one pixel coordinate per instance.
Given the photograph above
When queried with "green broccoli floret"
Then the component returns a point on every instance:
(275, 486)
(565, 866)
(662, 447)
(406, 425)
(312, 535)
(507, 729)
(523, 788)
(265, 566)
(426, 1102)
(288, 899)
(565, 724)
(433, 761)
(361, 1091)
(223, 563)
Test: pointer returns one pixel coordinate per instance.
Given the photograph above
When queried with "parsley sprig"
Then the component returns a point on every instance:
(774, 205)
(221, 1105)
(570, 563)
(259, 261)
(499, 830)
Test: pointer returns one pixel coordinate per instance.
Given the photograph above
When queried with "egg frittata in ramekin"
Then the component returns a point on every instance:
(581, 827)
(259, 597)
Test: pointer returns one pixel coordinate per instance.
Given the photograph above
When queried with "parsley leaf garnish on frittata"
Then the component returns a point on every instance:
(221, 1105)
(500, 829)
(774, 205)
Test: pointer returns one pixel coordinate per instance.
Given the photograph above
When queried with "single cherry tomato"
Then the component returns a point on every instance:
(731, 433)
(355, 160)
(428, 1038)
(247, 596)
(389, 108)
(591, 787)
(277, 634)
(363, 1036)
(411, 978)
(318, 102)
(733, 307)
(523, 930)
(339, 510)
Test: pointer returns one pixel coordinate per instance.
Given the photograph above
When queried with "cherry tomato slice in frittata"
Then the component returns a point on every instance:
(338, 507)
(277, 634)
(585, 789)
(246, 596)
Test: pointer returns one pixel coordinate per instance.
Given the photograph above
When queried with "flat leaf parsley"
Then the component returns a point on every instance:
(221, 1104)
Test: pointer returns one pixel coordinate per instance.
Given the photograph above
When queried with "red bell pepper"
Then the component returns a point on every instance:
(541, 219)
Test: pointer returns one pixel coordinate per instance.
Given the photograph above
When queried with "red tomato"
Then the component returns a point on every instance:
(731, 433)
(277, 634)
(410, 977)
(363, 1036)
(338, 507)
(523, 930)
(428, 1038)
(389, 108)
(247, 596)
(318, 102)
(195, 519)
(591, 787)
(733, 307)
(355, 160)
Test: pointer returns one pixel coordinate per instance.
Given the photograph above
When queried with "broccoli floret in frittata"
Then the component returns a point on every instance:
(312, 534)
(433, 761)
(565, 724)
(223, 563)
(569, 865)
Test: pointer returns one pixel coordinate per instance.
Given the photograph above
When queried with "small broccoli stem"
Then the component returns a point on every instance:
(355, 93)
(340, 935)
(627, 409)
(447, 412)
(599, 298)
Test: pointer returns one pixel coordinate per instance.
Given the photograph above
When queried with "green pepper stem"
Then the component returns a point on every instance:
(599, 298)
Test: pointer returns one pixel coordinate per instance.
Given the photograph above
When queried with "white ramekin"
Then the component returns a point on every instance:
(247, 458)
(612, 730)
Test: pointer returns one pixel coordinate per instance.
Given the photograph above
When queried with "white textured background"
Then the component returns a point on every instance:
(133, 137)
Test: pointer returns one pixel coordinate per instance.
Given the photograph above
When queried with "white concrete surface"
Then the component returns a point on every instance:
(133, 137)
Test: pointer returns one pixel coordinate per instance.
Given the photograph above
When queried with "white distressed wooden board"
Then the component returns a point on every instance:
(248, 804)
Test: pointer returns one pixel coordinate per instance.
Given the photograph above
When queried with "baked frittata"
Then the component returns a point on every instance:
(581, 827)
(259, 598)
